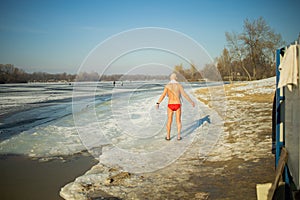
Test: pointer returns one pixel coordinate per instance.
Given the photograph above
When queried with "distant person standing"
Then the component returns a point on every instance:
(114, 83)
(174, 90)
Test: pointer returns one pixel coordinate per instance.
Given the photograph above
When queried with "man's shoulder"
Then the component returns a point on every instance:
(170, 86)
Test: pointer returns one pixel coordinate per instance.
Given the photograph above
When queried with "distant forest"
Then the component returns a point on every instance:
(248, 55)
(11, 74)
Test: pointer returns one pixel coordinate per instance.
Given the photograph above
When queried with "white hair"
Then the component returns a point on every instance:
(173, 76)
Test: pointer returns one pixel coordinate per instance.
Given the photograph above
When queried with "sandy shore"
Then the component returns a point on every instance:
(239, 160)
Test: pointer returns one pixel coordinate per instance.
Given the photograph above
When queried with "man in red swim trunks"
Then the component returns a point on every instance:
(174, 90)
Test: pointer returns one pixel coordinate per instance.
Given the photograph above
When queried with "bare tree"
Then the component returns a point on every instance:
(211, 72)
(260, 43)
(195, 74)
(253, 50)
(237, 50)
(225, 64)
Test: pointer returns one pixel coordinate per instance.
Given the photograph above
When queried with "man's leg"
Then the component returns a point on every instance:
(169, 123)
(178, 121)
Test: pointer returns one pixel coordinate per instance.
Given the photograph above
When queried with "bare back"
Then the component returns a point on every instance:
(174, 93)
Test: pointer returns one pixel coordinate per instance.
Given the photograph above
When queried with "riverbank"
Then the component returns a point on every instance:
(240, 159)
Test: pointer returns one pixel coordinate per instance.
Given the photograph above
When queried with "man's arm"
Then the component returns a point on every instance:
(186, 95)
(161, 98)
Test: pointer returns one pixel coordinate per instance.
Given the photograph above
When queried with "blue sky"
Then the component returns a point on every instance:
(56, 36)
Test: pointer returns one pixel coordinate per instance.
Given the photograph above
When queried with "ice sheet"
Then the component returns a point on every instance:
(117, 125)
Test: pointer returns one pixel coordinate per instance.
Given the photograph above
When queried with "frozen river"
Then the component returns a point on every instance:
(117, 125)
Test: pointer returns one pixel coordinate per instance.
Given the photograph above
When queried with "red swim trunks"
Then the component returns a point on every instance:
(174, 107)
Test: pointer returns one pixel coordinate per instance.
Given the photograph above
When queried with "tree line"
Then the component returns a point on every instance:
(11, 74)
(94, 76)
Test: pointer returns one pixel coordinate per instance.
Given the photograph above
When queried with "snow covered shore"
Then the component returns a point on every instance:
(225, 167)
